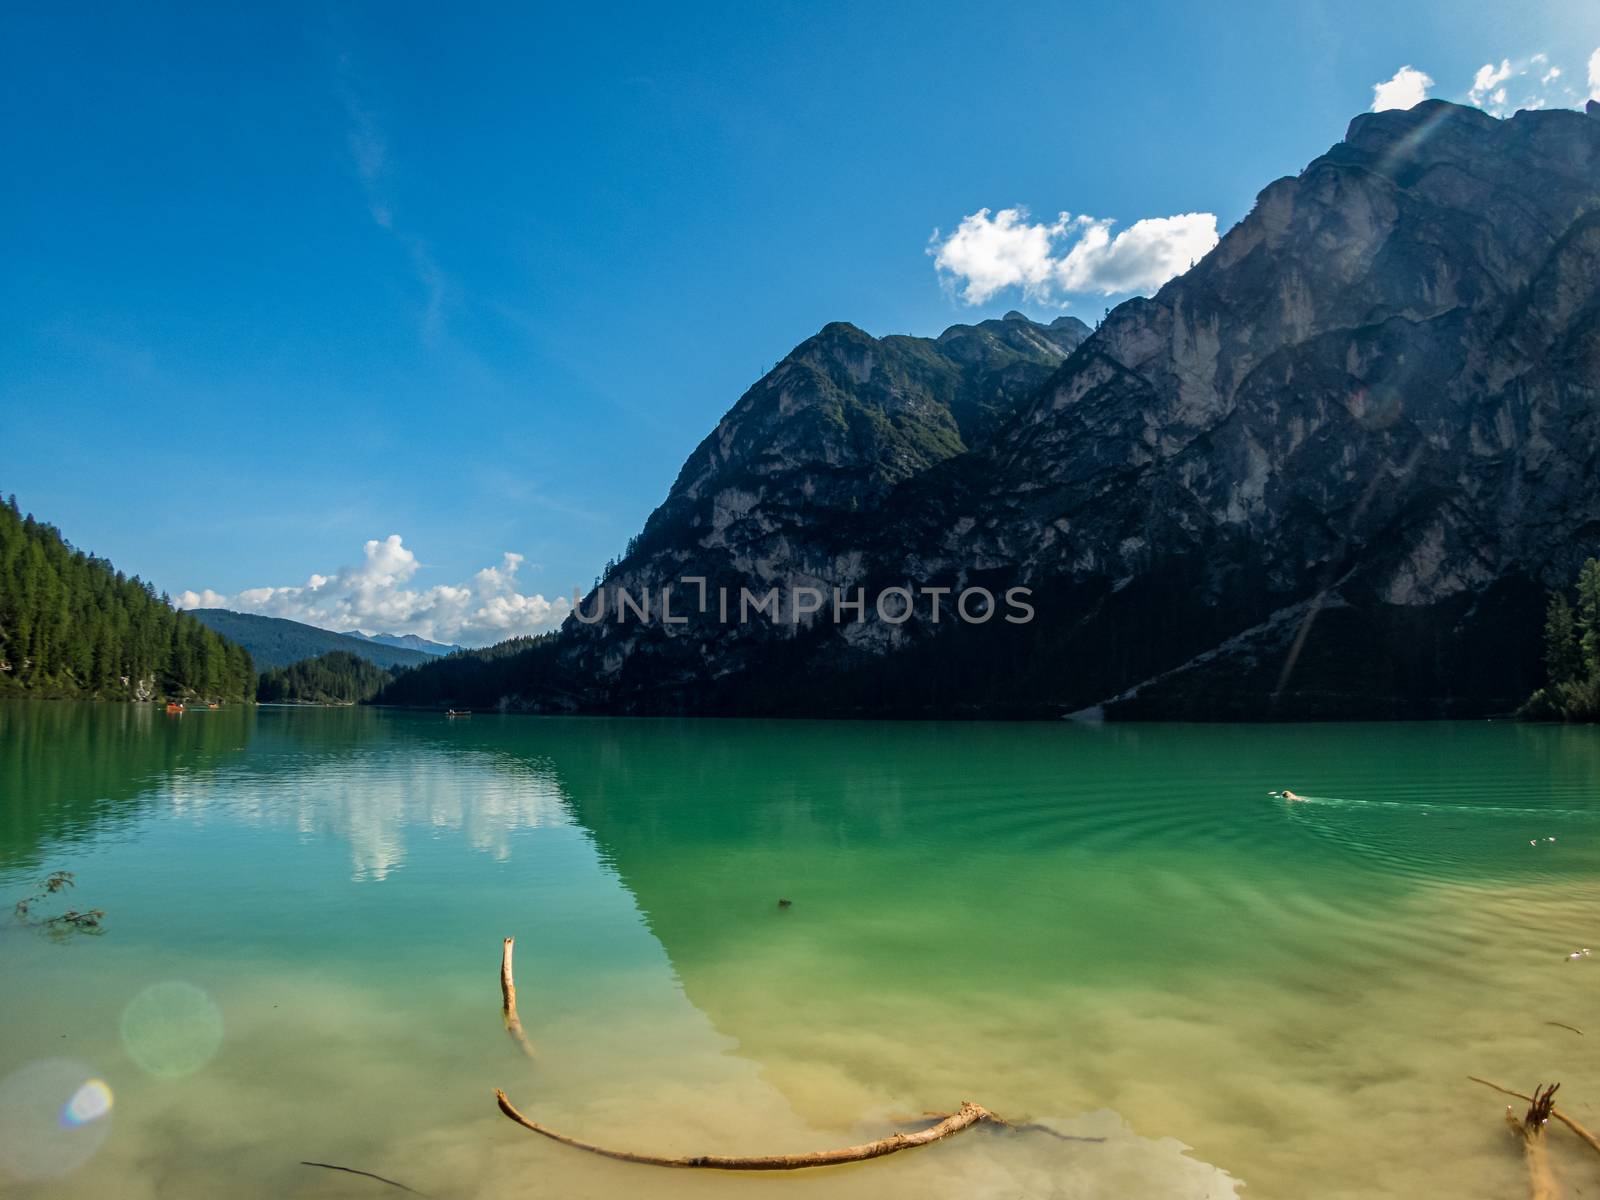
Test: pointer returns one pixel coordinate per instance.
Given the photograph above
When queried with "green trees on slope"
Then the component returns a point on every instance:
(337, 677)
(73, 625)
(475, 678)
(1571, 655)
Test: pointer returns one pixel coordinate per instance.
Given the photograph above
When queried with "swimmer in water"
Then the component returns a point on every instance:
(1286, 794)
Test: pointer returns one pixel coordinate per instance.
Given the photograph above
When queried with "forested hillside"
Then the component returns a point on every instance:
(278, 642)
(73, 625)
(1571, 654)
(472, 678)
(335, 678)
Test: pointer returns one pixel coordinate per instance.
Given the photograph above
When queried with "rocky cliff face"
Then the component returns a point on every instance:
(846, 417)
(1330, 471)
(777, 494)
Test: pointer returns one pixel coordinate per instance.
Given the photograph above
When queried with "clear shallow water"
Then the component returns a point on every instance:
(1109, 929)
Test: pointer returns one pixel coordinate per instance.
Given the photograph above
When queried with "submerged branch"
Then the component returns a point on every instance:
(946, 1124)
(1530, 1131)
(969, 1115)
(1584, 1134)
(1035, 1127)
(508, 1000)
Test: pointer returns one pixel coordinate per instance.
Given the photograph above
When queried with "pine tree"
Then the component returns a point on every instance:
(72, 625)
(1589, 615)
(337, 677)
(1562, 657)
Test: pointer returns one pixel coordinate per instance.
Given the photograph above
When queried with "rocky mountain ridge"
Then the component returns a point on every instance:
(405, 641)
(1330, 471)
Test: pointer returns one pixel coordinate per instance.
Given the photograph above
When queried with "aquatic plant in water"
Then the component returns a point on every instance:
(71, 921)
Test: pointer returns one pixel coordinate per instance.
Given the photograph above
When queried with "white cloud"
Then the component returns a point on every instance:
(376, 596)
(989, 253)
(1529, 83)
(1407, 89)
(1594, 75)
(1487, 92)
(1490, 76)
(994, 253)
(1141, 257)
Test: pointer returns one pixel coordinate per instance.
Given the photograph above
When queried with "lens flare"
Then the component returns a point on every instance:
(54, 1114)
(1404, 151)
(89, 1103)
(171, 1029)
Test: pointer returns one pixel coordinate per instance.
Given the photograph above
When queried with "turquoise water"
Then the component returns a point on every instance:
(1111, 930)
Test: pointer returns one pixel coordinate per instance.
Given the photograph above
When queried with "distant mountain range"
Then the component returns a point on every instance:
(1332, 470)
(409, 641)
(276, 642)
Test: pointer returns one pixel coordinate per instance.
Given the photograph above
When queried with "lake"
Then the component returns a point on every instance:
(1112, 931)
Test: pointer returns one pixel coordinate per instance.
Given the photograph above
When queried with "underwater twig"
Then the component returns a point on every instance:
(367, 1174)
(1035, 1127)
(1584, 1134)
(508, 1000)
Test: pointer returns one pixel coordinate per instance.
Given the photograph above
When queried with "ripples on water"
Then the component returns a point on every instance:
(1113, 930)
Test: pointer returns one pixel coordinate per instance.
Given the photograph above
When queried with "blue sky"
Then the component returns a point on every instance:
(285, 280)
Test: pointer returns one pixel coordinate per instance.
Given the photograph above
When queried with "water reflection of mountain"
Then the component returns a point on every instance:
(69, 769)
(1011, 869)
(946, 847)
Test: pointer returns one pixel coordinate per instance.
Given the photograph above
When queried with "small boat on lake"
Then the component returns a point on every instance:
(450, 712)
(174, 707)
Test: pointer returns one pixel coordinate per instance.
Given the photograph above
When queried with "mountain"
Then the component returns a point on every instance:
(409, 641)
(820, 440)
(277, 642)
(1331, 471)
(71, 624)
(839, 424)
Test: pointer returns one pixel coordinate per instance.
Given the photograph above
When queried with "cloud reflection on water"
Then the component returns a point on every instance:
(379, 803)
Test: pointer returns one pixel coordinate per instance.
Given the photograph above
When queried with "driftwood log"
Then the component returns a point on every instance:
(970, 1114)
